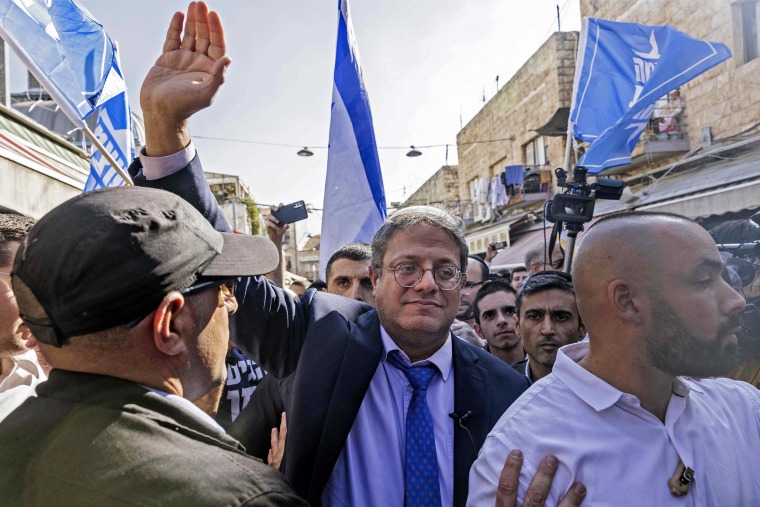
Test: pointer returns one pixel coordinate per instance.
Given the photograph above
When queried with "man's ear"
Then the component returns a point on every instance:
(373, 276)
(581, 331)
(478, 331)
(167, 335)
(517, 325)
(624, 301)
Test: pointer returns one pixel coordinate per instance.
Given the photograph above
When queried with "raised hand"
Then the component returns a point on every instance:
(184, 79)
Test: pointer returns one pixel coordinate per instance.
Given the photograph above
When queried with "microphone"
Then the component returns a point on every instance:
(461, 418)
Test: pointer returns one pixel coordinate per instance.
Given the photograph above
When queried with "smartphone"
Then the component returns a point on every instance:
(291, 213)
(499, 245)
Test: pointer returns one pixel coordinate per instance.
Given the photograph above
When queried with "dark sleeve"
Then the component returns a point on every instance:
(254, 425)
(269, 325)
(276, 498)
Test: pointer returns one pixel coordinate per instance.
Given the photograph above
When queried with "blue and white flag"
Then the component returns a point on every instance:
(114, 131)
(68, 52)
(622, 69)
(354, 204)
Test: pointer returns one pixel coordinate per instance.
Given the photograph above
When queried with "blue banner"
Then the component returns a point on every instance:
(68, 52)
(623, 68)
(354, 202)
(114, 131)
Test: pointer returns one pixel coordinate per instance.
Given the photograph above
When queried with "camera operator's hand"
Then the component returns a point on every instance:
(275, 232)
(184, 79)
(465, 332)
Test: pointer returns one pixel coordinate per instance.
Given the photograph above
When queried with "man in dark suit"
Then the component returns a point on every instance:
(359, 411)
(128, 292)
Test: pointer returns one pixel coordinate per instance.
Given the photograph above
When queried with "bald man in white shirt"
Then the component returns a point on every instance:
(623, 412)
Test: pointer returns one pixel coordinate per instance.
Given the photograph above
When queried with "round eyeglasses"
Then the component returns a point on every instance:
(409, 275)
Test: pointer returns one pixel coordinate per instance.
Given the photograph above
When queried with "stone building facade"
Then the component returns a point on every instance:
(502, 134)
(441, 191)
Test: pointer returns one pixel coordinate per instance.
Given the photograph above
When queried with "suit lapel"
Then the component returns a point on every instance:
(362, 355)
(470, 394)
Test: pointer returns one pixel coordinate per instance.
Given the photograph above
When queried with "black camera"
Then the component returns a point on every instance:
(575, 206)
(745, 271)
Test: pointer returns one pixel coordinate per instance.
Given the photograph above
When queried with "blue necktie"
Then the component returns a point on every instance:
(421, 464)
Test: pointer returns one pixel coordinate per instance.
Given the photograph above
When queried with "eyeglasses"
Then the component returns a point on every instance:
(468, 286)
(558, 264)
(227, 286)
(409, 275)
(5, 273)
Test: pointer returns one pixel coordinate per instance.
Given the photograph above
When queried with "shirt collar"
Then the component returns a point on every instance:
(188, 406)
(442, 358)
(590, 388)
(26, 361)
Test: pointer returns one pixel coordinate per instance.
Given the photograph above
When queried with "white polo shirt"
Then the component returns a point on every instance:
(622, 453)
(19, 381)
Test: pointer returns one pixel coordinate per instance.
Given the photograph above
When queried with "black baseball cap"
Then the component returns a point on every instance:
(107, 257)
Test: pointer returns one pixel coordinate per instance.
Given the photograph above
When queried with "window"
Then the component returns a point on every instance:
(535, 152)
(746, 35)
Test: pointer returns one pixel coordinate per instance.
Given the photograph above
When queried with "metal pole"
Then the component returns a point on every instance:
(569, 252)
(107, 155)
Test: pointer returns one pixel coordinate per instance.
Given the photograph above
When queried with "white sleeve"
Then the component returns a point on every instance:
(485, 473)
(154, 168)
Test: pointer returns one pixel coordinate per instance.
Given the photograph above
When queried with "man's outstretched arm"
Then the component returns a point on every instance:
(184, 79)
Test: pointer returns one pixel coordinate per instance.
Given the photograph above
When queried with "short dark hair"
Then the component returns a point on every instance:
(735, 231)
(489, 288)
(13, 227)
(318, 284)
(484, 269)
(542, 281)
(407, 218)
(351, 251)
(519, 269)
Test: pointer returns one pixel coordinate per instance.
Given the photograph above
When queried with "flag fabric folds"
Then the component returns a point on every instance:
(622, 69)
(114, 131)
(354, 203)
(72, 56)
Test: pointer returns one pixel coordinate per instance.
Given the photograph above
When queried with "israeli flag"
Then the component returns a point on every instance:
(354, 203)
(114, 131)
(623, 68)
(68, 52)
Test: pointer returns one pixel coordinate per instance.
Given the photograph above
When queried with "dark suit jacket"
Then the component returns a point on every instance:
(91, 440)
(336, 344)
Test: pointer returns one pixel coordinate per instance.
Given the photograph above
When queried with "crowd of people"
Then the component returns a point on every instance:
(147, 359)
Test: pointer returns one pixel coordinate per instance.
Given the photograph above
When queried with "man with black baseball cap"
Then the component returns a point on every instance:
(128, 292)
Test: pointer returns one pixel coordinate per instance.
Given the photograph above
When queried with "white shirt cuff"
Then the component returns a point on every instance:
(154, 168)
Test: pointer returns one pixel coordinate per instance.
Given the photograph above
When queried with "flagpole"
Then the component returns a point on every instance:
(566, 165)
(124, 175)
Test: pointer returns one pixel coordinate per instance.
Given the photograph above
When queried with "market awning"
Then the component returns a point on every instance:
(557, 124)
(515, 253)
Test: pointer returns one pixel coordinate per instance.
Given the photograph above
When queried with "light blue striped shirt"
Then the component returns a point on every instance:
(370, 468)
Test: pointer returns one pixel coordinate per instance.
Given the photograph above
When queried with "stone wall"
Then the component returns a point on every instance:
(441, 190)
(498, 134)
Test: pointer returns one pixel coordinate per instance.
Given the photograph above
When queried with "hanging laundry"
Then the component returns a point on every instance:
(515, 174)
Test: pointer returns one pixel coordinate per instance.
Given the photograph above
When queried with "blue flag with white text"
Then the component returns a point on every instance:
(622, 69)
(114, 131)
(354, 203)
